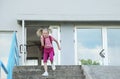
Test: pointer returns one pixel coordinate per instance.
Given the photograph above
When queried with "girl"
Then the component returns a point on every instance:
(46, 42)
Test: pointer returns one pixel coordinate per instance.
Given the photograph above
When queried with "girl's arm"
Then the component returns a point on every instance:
(41, 39)
(57, 43)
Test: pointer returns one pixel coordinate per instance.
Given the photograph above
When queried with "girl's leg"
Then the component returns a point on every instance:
(51, 59)
(45, 64)
(45, 68)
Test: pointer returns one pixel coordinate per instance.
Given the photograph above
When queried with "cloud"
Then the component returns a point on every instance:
(88, 53)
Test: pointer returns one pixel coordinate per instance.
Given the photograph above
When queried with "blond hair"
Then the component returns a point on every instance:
(39, 32)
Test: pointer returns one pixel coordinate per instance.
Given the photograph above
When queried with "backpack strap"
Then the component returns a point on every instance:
(49, 38)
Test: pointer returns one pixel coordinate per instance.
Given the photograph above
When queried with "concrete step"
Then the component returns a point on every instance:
(53, 73)
(60, 70)
(31, 68)
(49, 77)
(35, 72)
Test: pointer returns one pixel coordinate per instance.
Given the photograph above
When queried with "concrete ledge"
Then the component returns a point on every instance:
(101, 72)
(86, 71)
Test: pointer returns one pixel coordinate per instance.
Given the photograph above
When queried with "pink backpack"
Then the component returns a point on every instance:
(49, 38)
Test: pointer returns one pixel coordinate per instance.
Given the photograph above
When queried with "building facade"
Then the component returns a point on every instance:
(82, 27)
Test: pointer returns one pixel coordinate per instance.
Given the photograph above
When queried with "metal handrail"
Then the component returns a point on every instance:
(3, 67)
(13, 59)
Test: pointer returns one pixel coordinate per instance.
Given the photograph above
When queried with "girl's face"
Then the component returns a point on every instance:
(45, 33)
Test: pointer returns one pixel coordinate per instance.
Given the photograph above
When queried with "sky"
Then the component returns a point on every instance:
(89, 37)
(89, 44)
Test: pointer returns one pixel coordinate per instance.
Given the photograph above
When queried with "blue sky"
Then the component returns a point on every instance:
(89, 37)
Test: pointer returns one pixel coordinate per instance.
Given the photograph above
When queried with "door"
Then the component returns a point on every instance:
(33, 45)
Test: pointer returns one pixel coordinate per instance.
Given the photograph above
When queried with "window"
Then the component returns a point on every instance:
(114, 46)
(89, 44)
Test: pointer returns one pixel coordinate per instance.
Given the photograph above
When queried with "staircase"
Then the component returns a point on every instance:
(35, 72)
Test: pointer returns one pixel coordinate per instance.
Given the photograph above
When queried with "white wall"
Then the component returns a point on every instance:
(59, 10)
(70, 9)
(67, 44)
(5, 41)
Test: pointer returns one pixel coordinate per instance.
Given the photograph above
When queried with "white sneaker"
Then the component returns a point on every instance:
(53, 67)
(45, 74)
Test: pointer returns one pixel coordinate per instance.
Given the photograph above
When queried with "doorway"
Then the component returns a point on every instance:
(32, 44)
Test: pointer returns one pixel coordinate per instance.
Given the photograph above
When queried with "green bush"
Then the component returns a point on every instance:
(89, 62)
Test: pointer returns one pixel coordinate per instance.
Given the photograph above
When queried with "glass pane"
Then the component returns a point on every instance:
(89, 44)
(114, 46)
